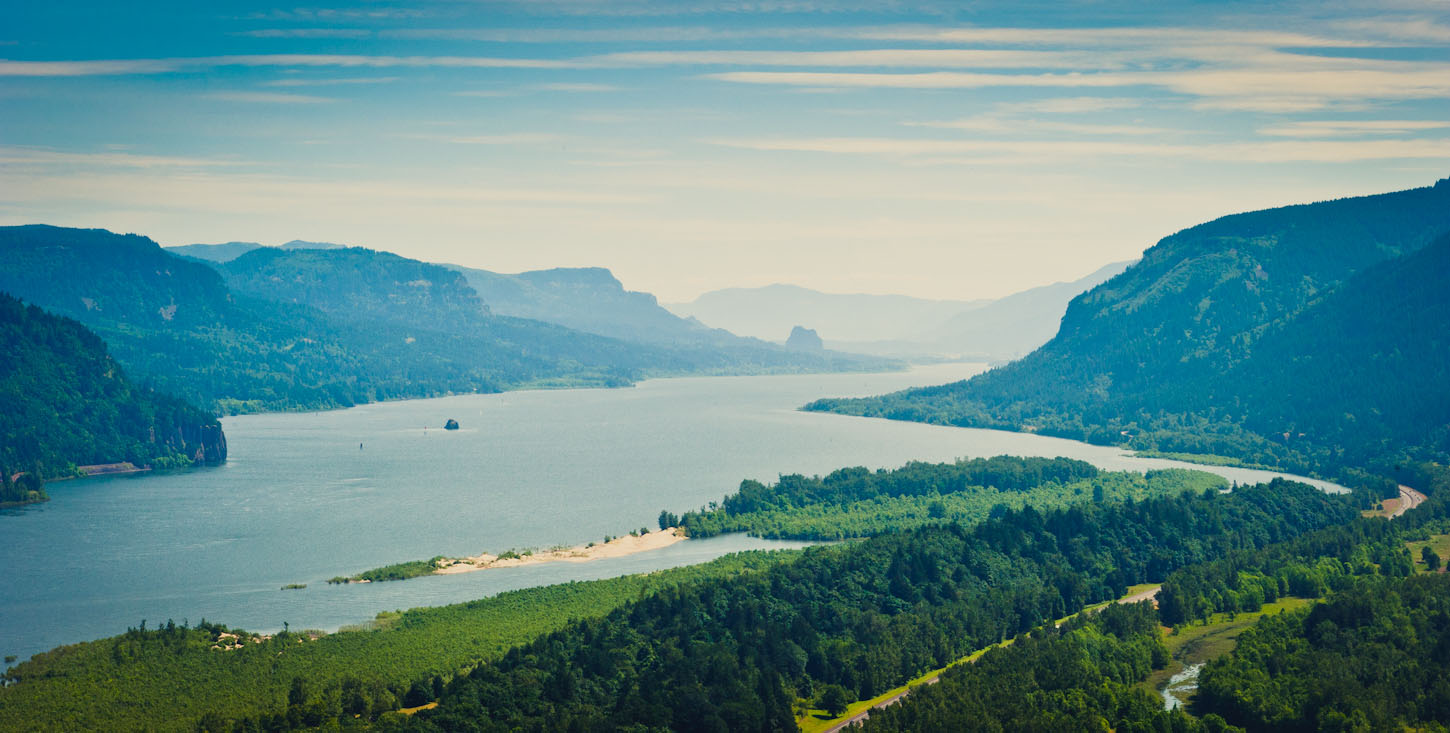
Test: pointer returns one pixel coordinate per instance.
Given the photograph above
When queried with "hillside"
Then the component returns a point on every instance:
(175, 323)
(1012, 326)
(770, 312)
(398, 305)
(356, 283)
(1168, 356)
(228, 251)
(896, 325)
(592, 300)
(223, 252)
(68, 403)
(588, 299)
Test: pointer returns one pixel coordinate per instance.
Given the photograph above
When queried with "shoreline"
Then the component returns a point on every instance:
(617, 547)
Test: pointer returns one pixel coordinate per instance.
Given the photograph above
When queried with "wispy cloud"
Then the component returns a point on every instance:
(349, 81)
(1265, 88)
(577, 87)
(516, 138)
(1123, 37)
(655, 34)
(866, 58)
(15, 154)
(267, 98)
(117, 67)
(1399, 30)
(1347, 128)
(992, 123)
(1261, 152)
(353, 33)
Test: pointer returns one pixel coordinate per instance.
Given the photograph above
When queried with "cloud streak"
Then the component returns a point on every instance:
(1255, 152)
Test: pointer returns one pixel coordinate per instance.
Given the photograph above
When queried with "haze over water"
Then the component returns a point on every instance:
(299, 501)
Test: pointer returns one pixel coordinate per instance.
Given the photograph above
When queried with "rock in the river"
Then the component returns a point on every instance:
(451, 424)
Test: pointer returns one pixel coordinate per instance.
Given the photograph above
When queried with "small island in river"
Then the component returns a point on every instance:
(612, 547)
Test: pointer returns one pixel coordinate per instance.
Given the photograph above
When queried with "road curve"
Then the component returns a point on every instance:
(1409, 499)
(1148, 595)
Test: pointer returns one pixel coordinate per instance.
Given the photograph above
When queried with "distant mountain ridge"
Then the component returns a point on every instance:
(589, 299)
(769, 312)
(228, 251)
(1311, 337)
(308, 327)
(271, 344)
(897, 325)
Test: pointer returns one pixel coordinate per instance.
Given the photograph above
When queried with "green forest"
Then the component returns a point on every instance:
(313, 329)
(1301, 338)
(1002, 573)
(167, 677)
(856, 502)
(68, 404)
(736, 655)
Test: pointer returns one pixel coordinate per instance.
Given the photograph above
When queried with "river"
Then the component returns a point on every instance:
(308, 496)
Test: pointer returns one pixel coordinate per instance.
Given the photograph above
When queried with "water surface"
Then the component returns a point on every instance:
(308, 496)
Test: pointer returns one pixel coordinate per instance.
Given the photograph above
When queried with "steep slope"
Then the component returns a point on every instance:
(68, 403)
(590, 299)
(587, 299)
(1379, 345)
(1166, 354)
(1016, 324)
(770, 312)
(356, 283)
(175, 323)
(420, 307)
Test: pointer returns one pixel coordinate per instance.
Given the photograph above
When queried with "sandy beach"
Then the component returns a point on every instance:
(617, 547)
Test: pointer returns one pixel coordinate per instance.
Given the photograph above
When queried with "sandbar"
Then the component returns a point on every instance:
(617, 547)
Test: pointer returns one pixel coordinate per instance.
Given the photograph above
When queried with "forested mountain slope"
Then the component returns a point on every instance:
(865, 616)
(68, 403)
(1018, 323)
(590, 299)
(174, 322)
(431, 308)
(1230, 338)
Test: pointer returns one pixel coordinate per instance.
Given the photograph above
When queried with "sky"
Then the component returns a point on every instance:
(954, 150)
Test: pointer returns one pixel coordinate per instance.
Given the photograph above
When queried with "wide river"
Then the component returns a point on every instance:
(308, 496)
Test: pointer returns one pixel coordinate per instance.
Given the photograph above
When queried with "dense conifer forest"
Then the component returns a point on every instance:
(866, 616)
(68, 404)
(857, 502)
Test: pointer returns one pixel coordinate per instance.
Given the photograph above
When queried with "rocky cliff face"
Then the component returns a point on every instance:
(201, 442)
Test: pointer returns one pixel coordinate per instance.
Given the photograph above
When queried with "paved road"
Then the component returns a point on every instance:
(1409, 499)
(1150, 594)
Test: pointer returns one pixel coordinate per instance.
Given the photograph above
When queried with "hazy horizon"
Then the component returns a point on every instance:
(925, 149)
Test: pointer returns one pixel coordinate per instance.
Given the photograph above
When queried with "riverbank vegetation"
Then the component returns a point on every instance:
(857, 502)
(67, 403)
(866, 616)
(396, 571)
(167, 678)
(1304, 338)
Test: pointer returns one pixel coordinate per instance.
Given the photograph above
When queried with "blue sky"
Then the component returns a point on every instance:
(950, 150)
